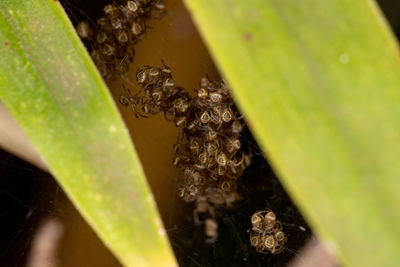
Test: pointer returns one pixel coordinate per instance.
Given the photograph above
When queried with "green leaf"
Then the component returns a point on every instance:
(319, 82)
(50, 85)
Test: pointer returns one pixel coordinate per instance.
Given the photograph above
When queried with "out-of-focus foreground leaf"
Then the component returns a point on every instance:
(53, 90)
(319, 82)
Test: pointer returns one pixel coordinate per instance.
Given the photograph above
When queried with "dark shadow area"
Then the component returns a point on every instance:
(391, 10)
(23, 204)
(30, 196)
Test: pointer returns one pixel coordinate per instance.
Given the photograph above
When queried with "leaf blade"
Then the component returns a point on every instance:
(318, 82)
(52, 88)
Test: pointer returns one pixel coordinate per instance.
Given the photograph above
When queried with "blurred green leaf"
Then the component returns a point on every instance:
(319, 82)
(50, 85)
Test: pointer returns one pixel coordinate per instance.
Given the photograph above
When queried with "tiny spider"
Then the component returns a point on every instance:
(267, 235)
(131, 100)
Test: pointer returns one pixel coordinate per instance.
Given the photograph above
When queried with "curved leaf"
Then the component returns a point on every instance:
(50, 85)
(319, 82)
